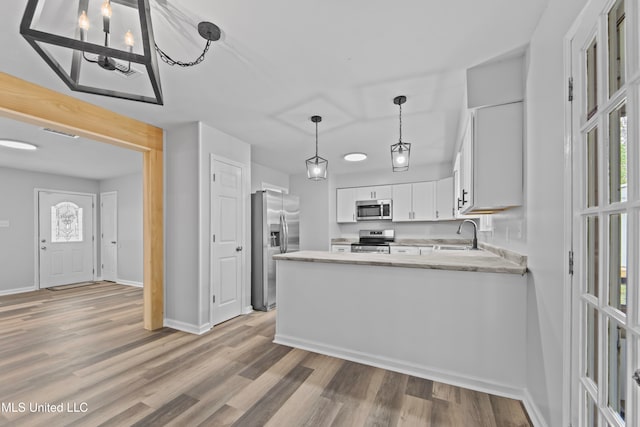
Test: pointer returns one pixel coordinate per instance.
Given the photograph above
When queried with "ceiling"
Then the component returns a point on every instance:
(280, 62)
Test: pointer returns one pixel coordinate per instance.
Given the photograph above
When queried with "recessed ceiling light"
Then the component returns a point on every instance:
(17, 144)
(355, 157)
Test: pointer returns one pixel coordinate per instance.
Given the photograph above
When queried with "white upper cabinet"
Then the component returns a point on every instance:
(444, 199)
(414, 202)
(346, 204)
(377, 192)
(491, 160)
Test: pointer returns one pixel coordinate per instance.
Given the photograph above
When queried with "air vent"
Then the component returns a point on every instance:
(57, 132)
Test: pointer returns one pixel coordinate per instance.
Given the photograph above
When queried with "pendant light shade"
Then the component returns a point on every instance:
(400, 151)
(316, 165)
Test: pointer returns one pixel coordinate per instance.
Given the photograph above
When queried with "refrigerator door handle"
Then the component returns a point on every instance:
(282, 234)
(286, 234)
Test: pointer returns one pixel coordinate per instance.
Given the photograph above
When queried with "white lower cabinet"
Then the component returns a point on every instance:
(405, 250)
(340, 248)
(424, 250)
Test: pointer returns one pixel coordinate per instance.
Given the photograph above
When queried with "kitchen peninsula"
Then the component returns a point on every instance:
(452, 316)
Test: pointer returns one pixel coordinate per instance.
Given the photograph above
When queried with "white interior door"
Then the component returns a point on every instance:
(605, 215)
(65, 238)
(228, 215)
(109, 235)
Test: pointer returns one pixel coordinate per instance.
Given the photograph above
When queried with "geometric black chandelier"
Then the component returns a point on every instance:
(77, 44)
(400, 151)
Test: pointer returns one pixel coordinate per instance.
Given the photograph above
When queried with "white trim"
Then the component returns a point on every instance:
(396, 365)
(36, 229)
(17, 290)
(129, 283)
(247, 310)
(187, 327)
(536, 417)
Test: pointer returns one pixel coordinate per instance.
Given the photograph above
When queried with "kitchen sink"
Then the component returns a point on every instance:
(452, 248)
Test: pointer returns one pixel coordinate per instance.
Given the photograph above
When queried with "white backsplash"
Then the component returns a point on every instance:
(409, 230)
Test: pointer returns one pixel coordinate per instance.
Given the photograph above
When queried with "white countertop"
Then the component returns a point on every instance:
(468, 260)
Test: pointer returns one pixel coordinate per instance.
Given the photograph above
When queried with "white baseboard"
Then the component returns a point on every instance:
(129, 283)
(187, 327)
(248, 309)
(532, 409)
(403, 367)
(18, 290)
(98, 279)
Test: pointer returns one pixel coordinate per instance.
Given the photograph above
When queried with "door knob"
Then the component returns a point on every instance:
(44, 240)
(636, 377)
(44, 248)
(239, 248)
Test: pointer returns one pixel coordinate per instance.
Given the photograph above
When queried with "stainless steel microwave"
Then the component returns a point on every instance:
(373, 209)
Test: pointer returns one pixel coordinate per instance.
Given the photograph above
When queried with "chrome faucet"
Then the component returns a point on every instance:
(474, 242)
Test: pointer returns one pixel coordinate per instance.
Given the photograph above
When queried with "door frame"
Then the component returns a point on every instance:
(101, 236)
(36, 229)
(37, 105)
(243, 259)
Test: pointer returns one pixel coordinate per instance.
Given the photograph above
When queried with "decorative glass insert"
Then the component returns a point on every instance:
(593, 251)
(592, 168)
(616, 29)
(66, 223)
(617, 378)
(618, 261)
(618, 155)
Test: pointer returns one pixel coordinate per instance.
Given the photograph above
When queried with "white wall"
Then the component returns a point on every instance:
(181, 254)
(543, 232)
(130, 244)
(188, 150)
(265, 175)
(17, 242)
(314, 211)
(222, 145)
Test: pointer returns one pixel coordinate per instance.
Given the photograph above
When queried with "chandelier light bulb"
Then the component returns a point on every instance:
(401, 159)
(106, 9)
(83, 21)
(128, 38)
(316, 170)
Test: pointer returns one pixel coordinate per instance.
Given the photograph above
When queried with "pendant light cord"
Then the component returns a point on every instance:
(400, 105)
(316, 141)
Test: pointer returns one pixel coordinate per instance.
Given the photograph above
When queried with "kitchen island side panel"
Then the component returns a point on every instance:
(463, 328)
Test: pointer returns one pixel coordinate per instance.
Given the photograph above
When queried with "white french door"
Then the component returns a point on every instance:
(605, 215)
(65, 238)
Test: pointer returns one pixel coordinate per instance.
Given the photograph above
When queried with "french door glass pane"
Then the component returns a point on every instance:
(592, 411)
(616, 29)
(592, 79)
(592, 168)
(618, 261)
(593, 255)
(592, 344)
(618, 155)
(617, 378)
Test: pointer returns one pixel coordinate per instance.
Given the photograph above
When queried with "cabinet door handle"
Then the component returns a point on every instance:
(459, 201)
(464, 200)
(437, 214)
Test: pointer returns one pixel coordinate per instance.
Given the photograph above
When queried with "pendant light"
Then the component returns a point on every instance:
(316, 165)
(401, 150)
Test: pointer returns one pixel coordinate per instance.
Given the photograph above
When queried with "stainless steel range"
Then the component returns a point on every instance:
(374, 241)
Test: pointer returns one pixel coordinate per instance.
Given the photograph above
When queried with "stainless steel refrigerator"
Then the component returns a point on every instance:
(275, 228)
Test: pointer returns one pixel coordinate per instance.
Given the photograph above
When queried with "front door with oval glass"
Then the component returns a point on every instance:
(65, 238)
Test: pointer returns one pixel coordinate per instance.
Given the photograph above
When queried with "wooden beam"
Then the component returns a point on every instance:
(28, 102)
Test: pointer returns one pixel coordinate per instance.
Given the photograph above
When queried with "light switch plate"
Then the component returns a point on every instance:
(4, 223)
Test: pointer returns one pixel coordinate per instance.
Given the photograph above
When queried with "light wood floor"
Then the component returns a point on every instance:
(85, 348)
